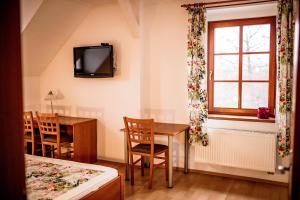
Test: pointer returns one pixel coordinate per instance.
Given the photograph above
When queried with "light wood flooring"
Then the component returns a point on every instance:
(197, 186)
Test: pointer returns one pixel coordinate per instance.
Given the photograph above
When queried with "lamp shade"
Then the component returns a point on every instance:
(50, 96)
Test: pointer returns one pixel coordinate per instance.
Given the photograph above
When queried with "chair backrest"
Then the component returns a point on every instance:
(48, 125)
(28, 123)
(139, 131)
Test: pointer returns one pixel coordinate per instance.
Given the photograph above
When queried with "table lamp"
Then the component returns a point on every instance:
(50, 97)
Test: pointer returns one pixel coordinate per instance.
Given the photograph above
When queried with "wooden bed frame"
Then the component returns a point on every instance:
(113, 190)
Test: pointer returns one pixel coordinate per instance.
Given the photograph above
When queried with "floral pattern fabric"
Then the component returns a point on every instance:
(197, 93)
(285, 34)
(46, 180)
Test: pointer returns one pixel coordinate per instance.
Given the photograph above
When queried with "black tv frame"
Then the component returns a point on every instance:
(93, 75)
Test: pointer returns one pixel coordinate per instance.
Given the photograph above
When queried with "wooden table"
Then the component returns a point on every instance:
(84, 137)
(170, 130)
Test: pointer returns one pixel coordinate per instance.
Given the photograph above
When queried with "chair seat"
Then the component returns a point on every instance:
(27, 136)
(63, 139)
(146, 148)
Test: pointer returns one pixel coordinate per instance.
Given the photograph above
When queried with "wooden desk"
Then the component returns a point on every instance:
(84, 137)
(170, 130)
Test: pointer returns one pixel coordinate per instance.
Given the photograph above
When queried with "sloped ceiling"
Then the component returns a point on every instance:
(28, 9)
(47, 25)
(49, 28)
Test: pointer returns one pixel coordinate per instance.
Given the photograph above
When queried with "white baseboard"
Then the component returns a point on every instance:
(110, 159)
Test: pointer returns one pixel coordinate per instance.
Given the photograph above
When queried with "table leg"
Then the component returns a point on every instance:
(186, 151)
(126, 158)
(170, 141)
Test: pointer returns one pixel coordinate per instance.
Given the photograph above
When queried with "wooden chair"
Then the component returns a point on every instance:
(140, 137)
(29, 135)
(51, 135)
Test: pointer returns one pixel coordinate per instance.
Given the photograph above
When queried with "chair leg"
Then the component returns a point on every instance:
(52, 151)
(44, 150)
(58, 152)
(33, 148)
(132, 170)
(142, 165)
(68, 152)
(25, 147)
(167, 165)
(151, 172)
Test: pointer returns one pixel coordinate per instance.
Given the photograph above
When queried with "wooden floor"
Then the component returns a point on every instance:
(196, 186)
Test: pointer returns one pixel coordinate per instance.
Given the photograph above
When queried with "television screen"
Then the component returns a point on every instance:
(93, 61)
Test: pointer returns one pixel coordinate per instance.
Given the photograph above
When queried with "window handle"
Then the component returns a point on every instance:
(210, 74)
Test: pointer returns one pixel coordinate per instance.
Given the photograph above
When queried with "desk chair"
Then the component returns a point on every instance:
(51, 135)
(140, 138)
(29, 135)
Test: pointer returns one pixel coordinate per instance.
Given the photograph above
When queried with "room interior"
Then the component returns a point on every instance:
(237, 157)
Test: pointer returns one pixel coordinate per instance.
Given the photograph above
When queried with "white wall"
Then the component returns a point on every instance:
(164, 92)
(31, 92)
(151, 77)
(31, 84)
(114, 97)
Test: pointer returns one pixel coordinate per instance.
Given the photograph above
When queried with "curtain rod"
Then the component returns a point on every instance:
(216, 4)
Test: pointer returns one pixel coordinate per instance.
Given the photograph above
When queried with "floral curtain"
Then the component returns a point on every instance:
(285, 34)
(197, 93)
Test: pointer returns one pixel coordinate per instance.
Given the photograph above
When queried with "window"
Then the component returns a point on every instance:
(241, 65)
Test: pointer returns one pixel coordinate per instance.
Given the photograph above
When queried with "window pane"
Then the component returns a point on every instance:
(226, 95)
(256, 38)
(256, 67)
(226, 67)
(255, 95)
(227, 39)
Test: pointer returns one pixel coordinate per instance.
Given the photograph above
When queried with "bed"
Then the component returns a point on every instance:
(48, 178)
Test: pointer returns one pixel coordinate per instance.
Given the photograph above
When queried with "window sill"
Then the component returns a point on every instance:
(240, 118)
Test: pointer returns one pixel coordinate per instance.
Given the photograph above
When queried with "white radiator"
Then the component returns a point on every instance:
(241, 149)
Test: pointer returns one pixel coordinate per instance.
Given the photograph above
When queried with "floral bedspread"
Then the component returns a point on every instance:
(46, 180)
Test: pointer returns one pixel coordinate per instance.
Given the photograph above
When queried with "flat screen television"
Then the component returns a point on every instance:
(93, 61)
